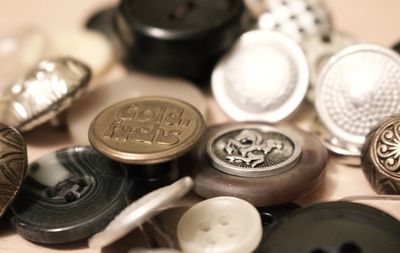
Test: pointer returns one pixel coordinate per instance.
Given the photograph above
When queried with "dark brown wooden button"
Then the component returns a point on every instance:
(13, 164)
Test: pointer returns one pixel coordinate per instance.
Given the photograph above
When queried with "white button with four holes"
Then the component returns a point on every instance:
(220, 225)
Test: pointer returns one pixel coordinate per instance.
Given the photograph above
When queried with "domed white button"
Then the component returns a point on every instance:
(220, 225)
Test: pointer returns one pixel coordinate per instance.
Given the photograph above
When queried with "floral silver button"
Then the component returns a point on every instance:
(264, 77)
(358, 88)
(297, 18)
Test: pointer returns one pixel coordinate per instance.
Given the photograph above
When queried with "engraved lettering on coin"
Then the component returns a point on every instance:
(253, 152)
(388, 148)
(146, 130)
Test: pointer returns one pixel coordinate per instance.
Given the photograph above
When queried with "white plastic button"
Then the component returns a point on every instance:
(90, 47)
(220, 225)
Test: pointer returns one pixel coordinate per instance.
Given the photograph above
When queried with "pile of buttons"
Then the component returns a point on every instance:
(147, 172)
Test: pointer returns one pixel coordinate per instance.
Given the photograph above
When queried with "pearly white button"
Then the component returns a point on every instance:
(220, 225)
(140, 211)
(90, 47)
(134, 85)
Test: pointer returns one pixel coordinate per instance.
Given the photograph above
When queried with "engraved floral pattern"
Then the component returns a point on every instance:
(388, 148)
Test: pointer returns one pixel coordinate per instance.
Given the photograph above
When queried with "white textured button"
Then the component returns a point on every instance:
(85, 110)
(90, 47)
(140, 211)
(220, 225)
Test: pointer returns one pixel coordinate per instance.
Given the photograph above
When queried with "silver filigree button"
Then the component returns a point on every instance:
(264, 77)
(297, 18)
(45, 91)
(358, 88)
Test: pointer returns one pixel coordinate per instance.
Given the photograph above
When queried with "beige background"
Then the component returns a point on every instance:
(376, 21)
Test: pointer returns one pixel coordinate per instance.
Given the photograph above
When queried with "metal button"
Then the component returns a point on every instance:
(140, 211)
(136, 84)
(319, 50)
(13, 165)
(340, 227)
(297, 18)
(47, 90)
(263, 164)
(358, 88)
(220, 225)
(69, 195)
(146, 130)
(380, 157)
(264, 77)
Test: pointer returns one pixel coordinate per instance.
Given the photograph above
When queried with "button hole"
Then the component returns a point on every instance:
(182, 10)
(350, 248)
(205, 227)
(318, 251)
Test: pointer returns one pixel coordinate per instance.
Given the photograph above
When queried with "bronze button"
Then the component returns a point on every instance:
(146, 130)
(381, 157)
(13, 164)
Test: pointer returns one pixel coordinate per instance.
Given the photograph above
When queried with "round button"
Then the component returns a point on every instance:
(319, 50)
(262, 164)
(140, 211)
(358, 88)
(297, 18)
(334, 227)
(69, 195)
(47, 90)
(380, 157)
(183, 38)
(146, 130)
(136, 84)
(90, 47)
(13, 165)
(220, 225)
(264, 77)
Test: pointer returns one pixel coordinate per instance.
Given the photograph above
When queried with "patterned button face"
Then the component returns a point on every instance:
(13, 163)
(146, 130)
(357, 88)
(220, 225)
(48, 89)
(264, 77)
(69, 195)
(381, 157)
(253, 151)
(296, 18)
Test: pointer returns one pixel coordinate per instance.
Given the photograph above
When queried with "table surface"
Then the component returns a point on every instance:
(370, 21)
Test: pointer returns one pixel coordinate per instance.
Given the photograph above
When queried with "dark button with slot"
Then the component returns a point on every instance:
(334, 227)
(176, 37)
(69, 195)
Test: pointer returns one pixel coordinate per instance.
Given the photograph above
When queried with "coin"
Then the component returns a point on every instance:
(13, 164)
(381, 157)
(253, 150)
(146, 130)
(264, 77)
(47, 90)
(358, 88)
(69, 195)
(140, 211)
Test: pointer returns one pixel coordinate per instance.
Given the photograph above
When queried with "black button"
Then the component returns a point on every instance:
(335, 227)
(69, 195)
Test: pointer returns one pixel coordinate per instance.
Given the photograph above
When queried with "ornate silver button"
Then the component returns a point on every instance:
(319, 50)
(297, 18)
(263, 164)
(254, 151)
(381, 157)
(358, 88)
(264, 77)
(48, 89)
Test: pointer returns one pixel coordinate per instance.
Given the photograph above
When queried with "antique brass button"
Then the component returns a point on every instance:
(380, 157)
(13, 163)
(47, 90)
(69, 195)
(263, 164)
(146, 130)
